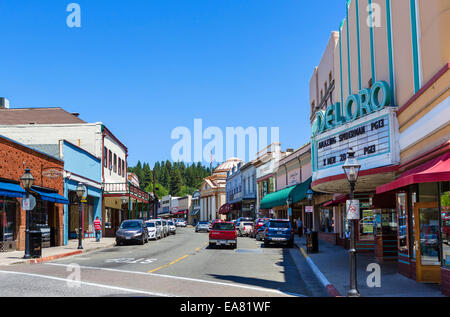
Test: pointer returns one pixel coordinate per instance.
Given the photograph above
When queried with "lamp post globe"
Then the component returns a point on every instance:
(27, 181)
(351, 168)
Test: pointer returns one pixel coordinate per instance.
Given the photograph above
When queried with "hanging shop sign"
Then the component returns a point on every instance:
(365, 123)
(309, 209)
(52, 173)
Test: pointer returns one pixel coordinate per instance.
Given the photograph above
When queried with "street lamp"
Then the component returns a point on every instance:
(27, 181)
(289, 204)
(309, 196)
(351, 168)
(81, 193)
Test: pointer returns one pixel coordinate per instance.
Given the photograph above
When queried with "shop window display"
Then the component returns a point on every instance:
(445, 223)
(402, 224)
(366, 225)
(7, 219)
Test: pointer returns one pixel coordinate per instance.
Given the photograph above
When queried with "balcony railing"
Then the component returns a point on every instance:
(125, 188)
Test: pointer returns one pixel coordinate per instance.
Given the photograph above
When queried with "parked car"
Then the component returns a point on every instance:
(181, 223)
(202, 226)
(223, 233)
(241, 219)
(259, 235)
(172, 227)
(132, 231)
(245, 228)
(279, 231)
(159, 222)
(258, 223)
(165, 225)
(154, 231)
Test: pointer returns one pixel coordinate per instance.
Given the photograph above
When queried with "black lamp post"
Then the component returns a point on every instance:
(351, 168)
(81, 194)
(309, 196)
(27, 181)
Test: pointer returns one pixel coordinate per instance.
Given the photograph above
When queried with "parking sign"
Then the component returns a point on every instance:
(353, 209)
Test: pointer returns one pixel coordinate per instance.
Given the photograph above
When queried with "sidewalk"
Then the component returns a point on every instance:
(332, 263)
(49, 254)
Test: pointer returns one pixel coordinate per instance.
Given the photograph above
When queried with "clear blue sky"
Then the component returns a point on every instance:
(144, 67)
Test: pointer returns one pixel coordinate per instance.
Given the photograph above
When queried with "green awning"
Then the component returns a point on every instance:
(279, 198)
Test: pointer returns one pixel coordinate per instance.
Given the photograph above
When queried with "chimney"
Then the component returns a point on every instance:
(4, 103)
(76, 114)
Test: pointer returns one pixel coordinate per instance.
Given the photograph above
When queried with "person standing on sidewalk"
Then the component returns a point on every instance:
(300, 227)
(98, 229)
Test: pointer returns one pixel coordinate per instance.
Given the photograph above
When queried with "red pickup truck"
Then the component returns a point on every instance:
(223, 233)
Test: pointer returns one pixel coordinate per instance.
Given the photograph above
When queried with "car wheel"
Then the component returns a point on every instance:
(235, 246)
(266, 244)
(211, 245)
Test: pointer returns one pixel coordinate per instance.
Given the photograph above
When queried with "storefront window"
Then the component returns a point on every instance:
(445, 223)
(412, 199)
(326, 220)
(108, 218)
(88, 218)
(402, 224)
(366, 225)
(428, 192)
(429, 233)
(39, 216)
(7, 219)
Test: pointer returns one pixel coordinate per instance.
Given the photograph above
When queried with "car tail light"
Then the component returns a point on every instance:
(267, 230)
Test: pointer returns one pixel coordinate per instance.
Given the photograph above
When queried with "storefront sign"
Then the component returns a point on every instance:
(309, 209)
(352, 209)
(368, 139)
(52, 173)
(374, 139)
(356, 106)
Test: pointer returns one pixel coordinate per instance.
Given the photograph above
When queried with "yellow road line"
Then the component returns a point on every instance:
(166, 265)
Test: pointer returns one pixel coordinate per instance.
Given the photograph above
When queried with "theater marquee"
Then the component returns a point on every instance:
(372, 133)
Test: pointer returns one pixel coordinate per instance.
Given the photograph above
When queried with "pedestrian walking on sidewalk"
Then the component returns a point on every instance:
(98, 229)
(300, 227)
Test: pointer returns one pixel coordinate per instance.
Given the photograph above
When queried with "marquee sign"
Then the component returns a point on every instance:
(367, 125)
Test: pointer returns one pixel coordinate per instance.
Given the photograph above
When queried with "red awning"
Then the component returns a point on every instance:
(436, 170)
(225, 209)
(339, 200)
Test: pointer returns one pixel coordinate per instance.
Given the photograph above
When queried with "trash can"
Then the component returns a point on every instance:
(36, 244)
(312, 242)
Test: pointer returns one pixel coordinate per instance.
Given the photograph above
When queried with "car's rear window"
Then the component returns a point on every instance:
(248, 224)
(202, 223)
(150, 224)
(279, 224)
(223, 226)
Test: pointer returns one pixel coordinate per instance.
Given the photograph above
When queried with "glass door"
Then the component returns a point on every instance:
(426, 242)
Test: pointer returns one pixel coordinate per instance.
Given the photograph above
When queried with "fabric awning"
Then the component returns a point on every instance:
(50, 196)
(180, 213)
(339, 200)
(279, 198)
(11, 190)
(436, 170)
(225, 209)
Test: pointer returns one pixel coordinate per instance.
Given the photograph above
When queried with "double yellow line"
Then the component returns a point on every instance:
(173, 262)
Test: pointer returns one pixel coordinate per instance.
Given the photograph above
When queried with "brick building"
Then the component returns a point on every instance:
(48, 186)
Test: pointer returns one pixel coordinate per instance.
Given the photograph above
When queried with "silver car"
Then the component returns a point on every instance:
(165, 227)
(154, 230)
(202, 226)
(172, 227)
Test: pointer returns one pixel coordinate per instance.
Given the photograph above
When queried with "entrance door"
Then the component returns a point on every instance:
(426, 242)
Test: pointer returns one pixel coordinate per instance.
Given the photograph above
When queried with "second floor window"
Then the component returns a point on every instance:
(115, 163)
(105, 159)
(120, 167)
(110, 159)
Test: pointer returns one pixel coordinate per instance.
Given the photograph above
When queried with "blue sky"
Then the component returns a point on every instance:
(145, 67)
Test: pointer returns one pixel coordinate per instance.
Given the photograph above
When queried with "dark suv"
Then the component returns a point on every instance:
(279, 231)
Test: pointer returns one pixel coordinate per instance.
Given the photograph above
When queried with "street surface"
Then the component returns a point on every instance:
(179, 265)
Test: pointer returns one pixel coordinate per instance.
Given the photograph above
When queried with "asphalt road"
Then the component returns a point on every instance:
(179, 265)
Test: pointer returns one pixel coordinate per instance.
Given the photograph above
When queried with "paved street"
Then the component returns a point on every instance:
(179, 265)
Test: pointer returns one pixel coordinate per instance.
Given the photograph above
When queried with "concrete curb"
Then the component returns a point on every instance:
(62, 255)
(331, 290)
